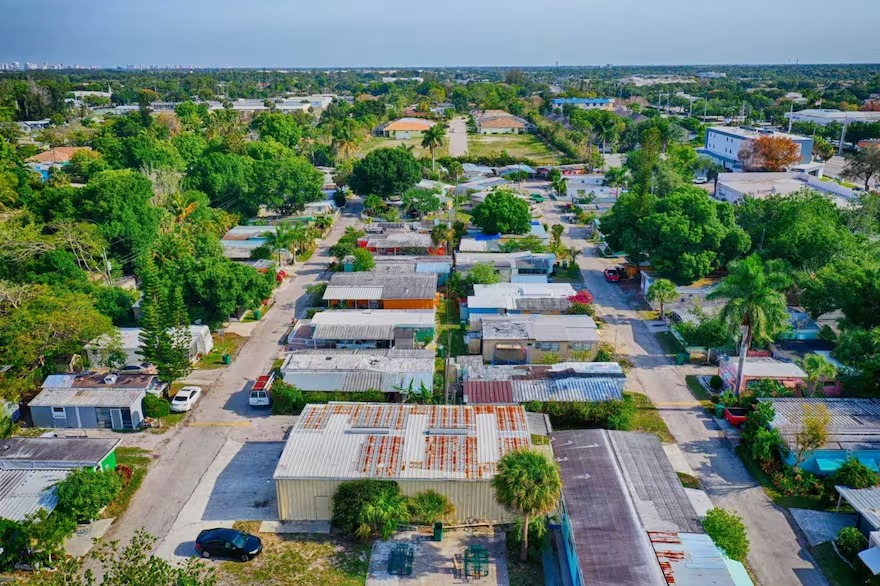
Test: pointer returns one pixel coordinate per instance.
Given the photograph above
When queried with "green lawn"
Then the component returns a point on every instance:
(299, 559)
(527, 146)
(648, 419)
(699, 392)
(688, 480)
(230, 344)
(449, 322)
(835, 569)
(139, 461)
(669, 344)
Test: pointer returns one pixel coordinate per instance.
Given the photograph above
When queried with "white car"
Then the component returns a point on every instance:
(185, 399)
(701, 180)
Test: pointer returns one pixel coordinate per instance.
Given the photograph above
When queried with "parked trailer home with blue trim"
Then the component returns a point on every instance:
(88, 408)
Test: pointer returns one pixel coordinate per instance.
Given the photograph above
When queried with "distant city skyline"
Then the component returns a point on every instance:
(398, 33)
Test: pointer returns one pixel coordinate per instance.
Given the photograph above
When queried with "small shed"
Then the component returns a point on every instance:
(58, 453)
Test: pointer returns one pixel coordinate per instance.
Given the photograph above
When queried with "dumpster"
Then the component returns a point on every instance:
(438, 531)
(227, 359)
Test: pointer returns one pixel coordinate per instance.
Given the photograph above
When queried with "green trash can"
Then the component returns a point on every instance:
(438, 531)
(227, 359)
(719, 410)
(258, 314)
(682, 358)
(441, 351)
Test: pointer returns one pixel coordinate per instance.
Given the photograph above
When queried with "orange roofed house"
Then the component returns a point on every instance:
(382, 291)
(404, 128)
(452, 449)
(55, 158)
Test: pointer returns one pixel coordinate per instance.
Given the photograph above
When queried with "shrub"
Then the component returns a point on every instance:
(156, 406)
(765, 444)
(430, 506)
(605, 353)
(728, 532)
(605, 414)
(577, 308)
(15, 543)
(854, 474)
(715, 382)
(850, 542)
(286, 399)
(125, 473)
(796, 482)
(339, 198)
(361, 507)
(85, 492)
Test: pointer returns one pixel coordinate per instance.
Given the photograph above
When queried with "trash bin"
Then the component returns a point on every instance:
(682, 358)
(227, 359)
(258, 314)
(441, 351)
(438, 531)
(719, 410)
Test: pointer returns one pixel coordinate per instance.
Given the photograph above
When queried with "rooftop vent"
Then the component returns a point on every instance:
(111, 379)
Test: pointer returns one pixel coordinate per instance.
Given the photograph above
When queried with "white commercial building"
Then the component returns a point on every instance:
(825, 116)
(733, 187)
(724, 143)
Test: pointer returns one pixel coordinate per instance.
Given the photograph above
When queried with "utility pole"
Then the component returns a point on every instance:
(790, 113)
(842, 136)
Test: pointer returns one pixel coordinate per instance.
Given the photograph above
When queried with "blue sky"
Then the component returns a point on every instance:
(328, 33)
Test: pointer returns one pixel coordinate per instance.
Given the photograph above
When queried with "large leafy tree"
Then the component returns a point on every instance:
(805, 228)
(770, 153)
(755, 308)
(863, 166)
(527, 483)
(502, 212)
(277, 126)
(45, 324)
(687, 235)
(285, 184)
(119, 202)
(851, 285)
(421, 201)
(385, 172)
(225, 177)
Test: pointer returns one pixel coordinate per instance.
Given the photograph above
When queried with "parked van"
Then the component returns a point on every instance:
(260, 395)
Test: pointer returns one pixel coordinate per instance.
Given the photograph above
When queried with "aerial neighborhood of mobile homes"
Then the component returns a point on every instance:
(549, 325)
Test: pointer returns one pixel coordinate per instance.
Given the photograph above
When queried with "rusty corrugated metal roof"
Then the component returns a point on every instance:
(488, 392)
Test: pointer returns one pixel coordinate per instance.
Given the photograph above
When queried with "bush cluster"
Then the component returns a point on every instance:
(854, 474)
(850, 542)
(605, 414)
(156, 406)
(289, 400)
(728, 532)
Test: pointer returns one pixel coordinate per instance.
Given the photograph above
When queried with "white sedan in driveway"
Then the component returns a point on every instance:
(185, 399)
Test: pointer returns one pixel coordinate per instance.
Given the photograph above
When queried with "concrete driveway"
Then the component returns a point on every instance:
(237, 486)
(456, 136)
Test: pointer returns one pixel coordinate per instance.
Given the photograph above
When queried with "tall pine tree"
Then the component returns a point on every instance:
(152, 327)
(177, 340)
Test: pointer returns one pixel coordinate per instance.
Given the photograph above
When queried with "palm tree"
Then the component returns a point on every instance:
(560, 186)
(323, 222)
(572, 253)
(432, 139)
(755, 307)
(664, 291)
(383, 514)
(300, 236)
(280, 240)
(817, 369)
(527, 483)
(345, 137)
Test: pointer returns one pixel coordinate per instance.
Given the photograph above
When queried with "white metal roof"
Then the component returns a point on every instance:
(320, 361)
(506, 295)
(393, 317)
(541, 328)
(762, 367)
(580, 390)
(866, 501)
(24, 492)
(388, 440)
(122, 398)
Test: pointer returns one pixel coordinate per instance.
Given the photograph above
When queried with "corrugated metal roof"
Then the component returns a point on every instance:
(690, 559)
(580, 390)
(54, 452)
(341, 293)
(865, 501)
(487, 392)
(122, 398)
(24, 492)
(368, 324)
(852, 421)
(385, 440)
(540, 327)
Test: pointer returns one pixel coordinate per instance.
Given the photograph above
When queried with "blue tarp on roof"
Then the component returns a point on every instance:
(485, 237)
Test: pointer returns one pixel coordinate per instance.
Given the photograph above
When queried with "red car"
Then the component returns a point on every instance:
(613, 274)
(735, 416)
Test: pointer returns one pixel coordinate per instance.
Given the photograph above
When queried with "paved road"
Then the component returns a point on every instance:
(224, 436)
(778, 552)
(457, 137)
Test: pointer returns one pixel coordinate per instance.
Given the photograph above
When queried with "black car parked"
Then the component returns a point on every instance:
(228, 543)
